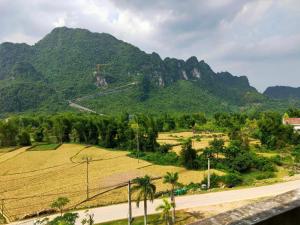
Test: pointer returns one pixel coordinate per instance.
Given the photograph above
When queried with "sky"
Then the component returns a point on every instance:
(256, 38)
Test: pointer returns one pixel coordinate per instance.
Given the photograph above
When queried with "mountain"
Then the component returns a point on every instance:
(283, 92)
(66, 66)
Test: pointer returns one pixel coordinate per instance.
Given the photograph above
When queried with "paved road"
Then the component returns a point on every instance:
(120, 211)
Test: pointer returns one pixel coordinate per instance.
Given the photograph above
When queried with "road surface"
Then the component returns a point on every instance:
(120, 211)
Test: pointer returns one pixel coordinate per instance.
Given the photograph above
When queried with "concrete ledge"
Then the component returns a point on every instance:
(256, 212)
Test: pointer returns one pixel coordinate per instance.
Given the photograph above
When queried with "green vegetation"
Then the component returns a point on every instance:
(181, 218)
(165, 209)
(145, 190)
(139, 133)
(62, 67)
(172, 179)
(60, 203)
(283, 92)
(45, 147)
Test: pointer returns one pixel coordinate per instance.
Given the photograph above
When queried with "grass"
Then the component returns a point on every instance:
(44, 147)
(155, 219)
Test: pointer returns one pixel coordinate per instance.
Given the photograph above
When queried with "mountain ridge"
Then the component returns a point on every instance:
(283, 92)
(66, 61)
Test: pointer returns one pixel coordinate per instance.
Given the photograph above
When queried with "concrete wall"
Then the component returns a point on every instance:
(258, 213)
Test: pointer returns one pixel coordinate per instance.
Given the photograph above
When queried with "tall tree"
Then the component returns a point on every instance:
(8, 133)
(145, 189)
(188, 155)
(172, 179)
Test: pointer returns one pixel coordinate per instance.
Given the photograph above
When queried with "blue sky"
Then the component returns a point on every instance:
(256, 38)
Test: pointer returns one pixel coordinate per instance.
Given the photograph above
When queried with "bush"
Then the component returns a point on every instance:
(165, 148)
(232, 180)
(276, 160)
(264, 164)
(265, 175)
(66, 219)
(170, 158)
(242, 163)
(215, 180)
(193, 186)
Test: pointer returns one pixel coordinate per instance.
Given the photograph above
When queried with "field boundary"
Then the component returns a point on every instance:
(72, 157)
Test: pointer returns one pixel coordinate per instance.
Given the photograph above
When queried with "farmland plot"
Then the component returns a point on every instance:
(199, 140)
(31, 180)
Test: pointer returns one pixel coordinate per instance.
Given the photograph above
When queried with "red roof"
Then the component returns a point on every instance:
(292, 121)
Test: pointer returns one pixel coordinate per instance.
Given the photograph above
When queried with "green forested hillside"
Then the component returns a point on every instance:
(62, 67)
(283, 92)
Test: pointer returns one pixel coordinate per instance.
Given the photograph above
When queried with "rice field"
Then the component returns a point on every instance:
(31, 180)
(199, 140)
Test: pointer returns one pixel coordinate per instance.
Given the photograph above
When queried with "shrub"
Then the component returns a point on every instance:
(232, 180)
(264, 164)
(170, 158)
(242, 163)
(193, 186)
(215, 180)
(66, 219)
(265, 175)
(165, 148)
(276, 160)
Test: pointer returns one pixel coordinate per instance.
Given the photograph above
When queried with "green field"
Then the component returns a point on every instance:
(44, 147)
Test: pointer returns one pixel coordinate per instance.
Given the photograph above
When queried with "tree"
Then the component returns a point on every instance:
(8, 133)
(24, 139)
(172, 179)
(60, 203)
(188, 155)
(145, 190)
(217, 146)
(165, 209)
(38, 135)
(66, 219)
(273, 133)
(62, 127)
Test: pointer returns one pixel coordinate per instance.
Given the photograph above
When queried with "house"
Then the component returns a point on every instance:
(294, 122)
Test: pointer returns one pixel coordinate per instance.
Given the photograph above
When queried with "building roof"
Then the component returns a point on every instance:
(292, 121)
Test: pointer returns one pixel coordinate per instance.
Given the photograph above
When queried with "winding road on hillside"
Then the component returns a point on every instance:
(120, 211)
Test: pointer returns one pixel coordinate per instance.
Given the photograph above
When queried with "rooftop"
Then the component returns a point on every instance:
(292, 121)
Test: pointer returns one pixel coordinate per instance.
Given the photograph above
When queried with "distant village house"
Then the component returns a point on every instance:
(294, 122)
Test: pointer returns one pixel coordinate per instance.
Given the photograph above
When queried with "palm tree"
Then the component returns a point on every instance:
(165, 210)
(145, 190)
(172, 179)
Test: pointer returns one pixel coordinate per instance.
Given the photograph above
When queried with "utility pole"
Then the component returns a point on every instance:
(87, 161)
(208, 173)
(138, 144)
(129, 204)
